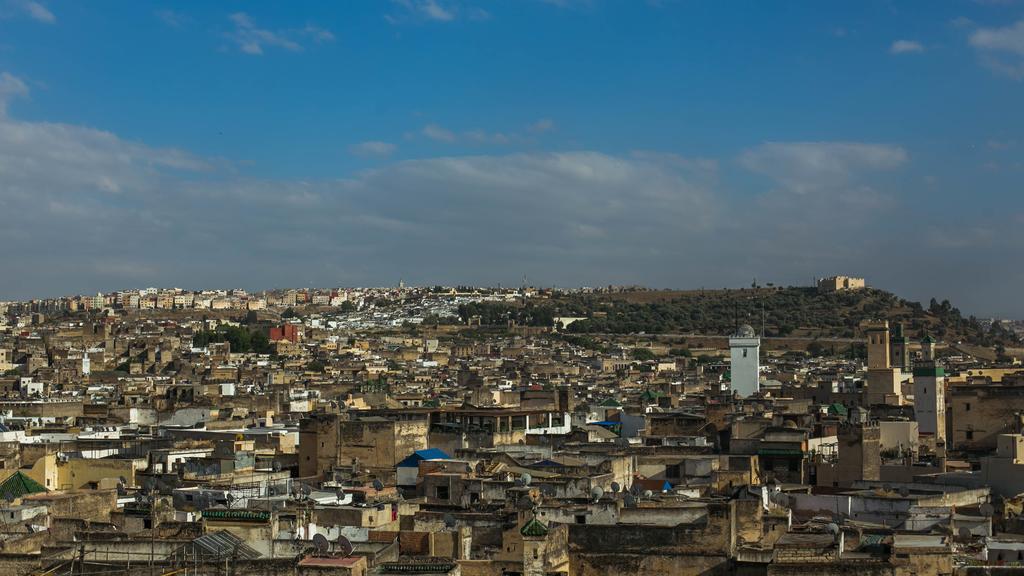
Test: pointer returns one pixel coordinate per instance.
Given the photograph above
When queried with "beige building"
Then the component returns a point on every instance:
(837, 283)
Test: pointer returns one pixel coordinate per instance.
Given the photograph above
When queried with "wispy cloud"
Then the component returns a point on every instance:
(906, 47)
(34, 10)
(542, 125)
(434, 11)
(423, 10)
(372, 148)
(11, 87)
(1001, 49)
(438, 133)
(251, 39)
(805, 167)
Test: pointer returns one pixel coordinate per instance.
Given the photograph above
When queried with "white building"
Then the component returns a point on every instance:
(745, 362)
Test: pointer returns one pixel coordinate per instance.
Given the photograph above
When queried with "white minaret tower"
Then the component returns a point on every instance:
(745, 362)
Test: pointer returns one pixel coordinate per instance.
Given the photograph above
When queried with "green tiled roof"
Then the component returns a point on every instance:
(237, 515)
(18, 485)
(534, 528)
(837, 408)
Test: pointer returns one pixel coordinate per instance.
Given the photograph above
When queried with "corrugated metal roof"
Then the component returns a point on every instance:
(218, 545)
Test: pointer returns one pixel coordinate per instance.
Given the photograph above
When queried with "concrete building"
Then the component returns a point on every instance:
(744, 361)
(1004, 472)
(837, 283)
(884, 381)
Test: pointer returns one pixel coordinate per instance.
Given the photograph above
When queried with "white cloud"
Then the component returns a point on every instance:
(542, 125)
(429, 10)
(252, 39)
(11, 87)
(38, 12)
(438, 133)
(319, 35)
(482, 137)
(906, 47)
(372, 148)
(1002, 49)
(804, 167)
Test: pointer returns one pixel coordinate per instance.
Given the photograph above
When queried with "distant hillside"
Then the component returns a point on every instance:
(789, 312)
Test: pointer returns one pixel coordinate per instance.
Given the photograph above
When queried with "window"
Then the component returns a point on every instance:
(672, 471)
(581, 519)
(969, 434)
(744, 352)
(967, 407)
(442, 493)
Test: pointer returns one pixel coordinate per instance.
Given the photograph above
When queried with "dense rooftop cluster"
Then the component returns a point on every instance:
(474, 431)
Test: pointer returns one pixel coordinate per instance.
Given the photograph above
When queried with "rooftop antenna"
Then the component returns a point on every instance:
(629, 500)
(322, 545)
(343, 546)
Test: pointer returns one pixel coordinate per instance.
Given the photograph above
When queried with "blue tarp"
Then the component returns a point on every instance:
(418, 456)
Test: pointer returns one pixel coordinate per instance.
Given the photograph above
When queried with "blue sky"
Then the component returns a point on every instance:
(582, 142)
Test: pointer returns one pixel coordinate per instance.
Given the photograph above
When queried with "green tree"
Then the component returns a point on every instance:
(643, 354)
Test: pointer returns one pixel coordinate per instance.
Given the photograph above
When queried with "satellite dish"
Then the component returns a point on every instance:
(615, 487)
(833, 529)
(343, 546)
(648, 494)
(340, 494)
(449, 520)
(629, 500)
(597, 492)
(526, 478)
(987, 510)
(321, 544)
(964, 532)
(276, 466)
(904, 491)
(635, 490)
(378, 485)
